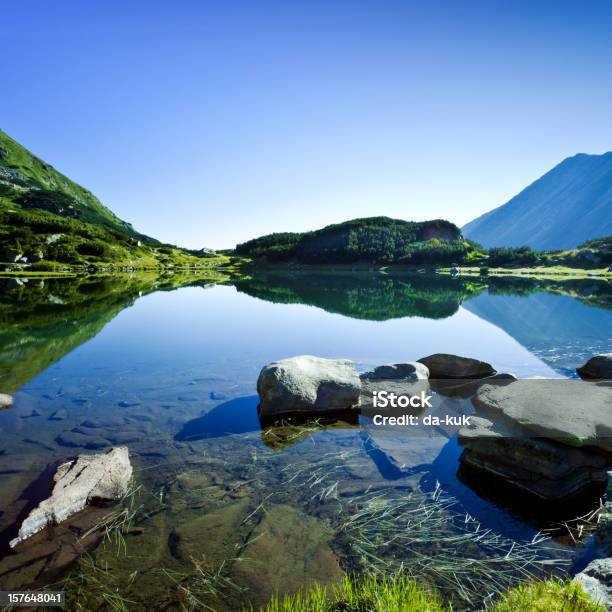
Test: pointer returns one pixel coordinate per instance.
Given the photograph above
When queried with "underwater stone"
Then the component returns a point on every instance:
(75, 439)
(76, 483)
(285, 551)
(124, 437)
(307, 384)
(541, 467)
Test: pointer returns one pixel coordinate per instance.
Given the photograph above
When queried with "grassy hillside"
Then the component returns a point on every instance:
(32, 183)
(48, 222)
(380, 240)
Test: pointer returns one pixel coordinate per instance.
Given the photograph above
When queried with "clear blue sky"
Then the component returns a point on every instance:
(207, 123)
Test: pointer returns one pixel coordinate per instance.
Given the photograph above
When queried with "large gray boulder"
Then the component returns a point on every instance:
(306, 384)
(597, 368)
(596, 580)
(76, 483)
(444, 366)
(570, 412)
(6, 400)
(546, 469)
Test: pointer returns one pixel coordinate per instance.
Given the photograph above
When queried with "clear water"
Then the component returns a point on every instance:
(227, 512)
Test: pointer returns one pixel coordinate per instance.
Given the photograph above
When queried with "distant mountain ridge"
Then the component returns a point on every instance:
(570, 204)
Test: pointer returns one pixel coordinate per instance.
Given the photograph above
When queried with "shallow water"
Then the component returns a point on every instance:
(228, 512)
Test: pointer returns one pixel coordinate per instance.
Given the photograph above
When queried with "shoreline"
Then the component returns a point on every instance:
(240, 268)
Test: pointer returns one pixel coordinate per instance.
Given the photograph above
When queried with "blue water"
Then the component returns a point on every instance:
(176, 373)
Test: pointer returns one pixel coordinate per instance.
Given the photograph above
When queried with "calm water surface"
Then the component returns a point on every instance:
(226, 512)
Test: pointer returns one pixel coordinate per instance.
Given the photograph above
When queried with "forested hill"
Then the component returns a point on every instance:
(374, 239)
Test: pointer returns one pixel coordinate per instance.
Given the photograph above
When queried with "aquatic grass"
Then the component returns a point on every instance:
(120, 520)
(423, 539)
(423, 536)
(205, 586)
(130, 511)
(284, 432)
(579, 527)
(93, 586)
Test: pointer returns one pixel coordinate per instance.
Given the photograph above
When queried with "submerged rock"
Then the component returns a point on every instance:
(6, 400)
(445, 366)
(285, 552)
(466, 387)
(568, 411)
(77, 439)
(597, 368)
(33, 413)
(543, 468)
(127, 404)
(307, 384)
(192, 537)
(76, 483)
(596, 580)
(213, 395)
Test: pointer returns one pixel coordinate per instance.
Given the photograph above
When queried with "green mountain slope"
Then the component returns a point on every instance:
(48, 222)
(379, 240)
(36, 184)
(570, 204)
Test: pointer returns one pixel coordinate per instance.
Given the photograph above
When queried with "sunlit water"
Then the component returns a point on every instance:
(222, 502)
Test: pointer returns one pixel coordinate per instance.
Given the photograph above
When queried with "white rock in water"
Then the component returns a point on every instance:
(307, 384)
(6, 400)
(104, 476)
